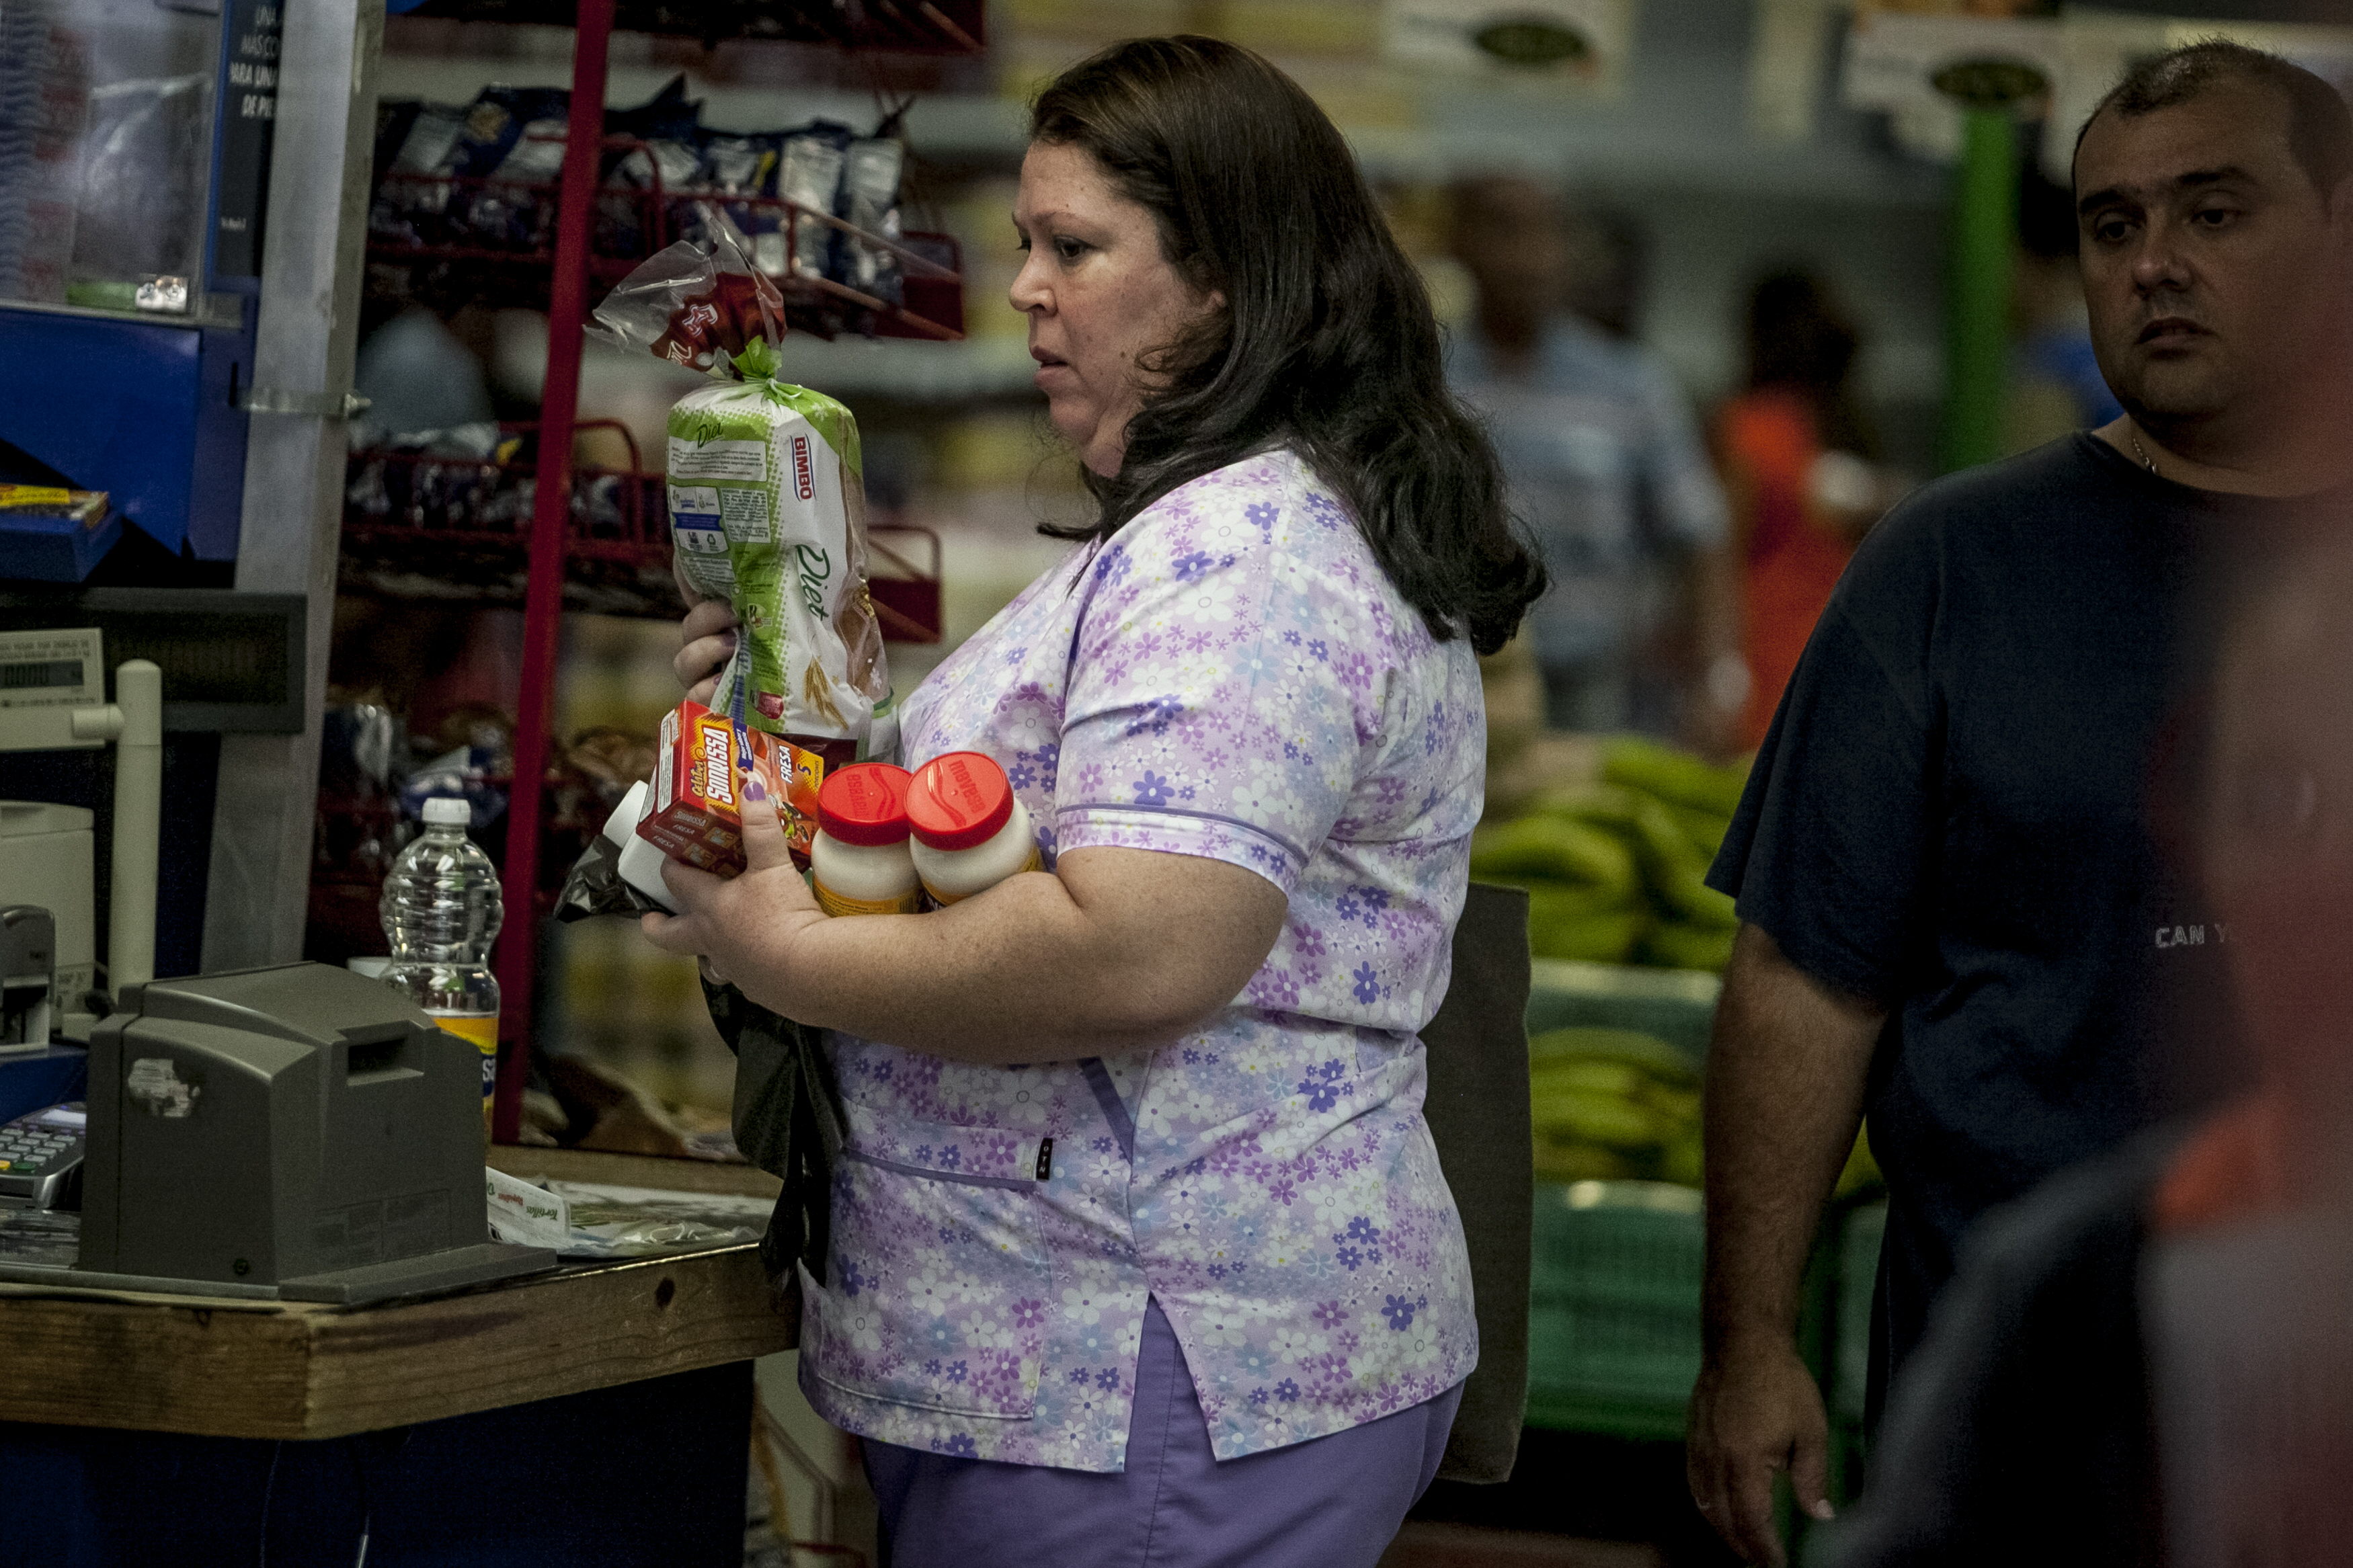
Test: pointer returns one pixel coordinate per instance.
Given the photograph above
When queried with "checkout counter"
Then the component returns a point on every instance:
(282, 1336)
(278, 1334)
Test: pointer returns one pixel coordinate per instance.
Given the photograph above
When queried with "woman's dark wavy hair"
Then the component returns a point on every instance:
(1326, 344)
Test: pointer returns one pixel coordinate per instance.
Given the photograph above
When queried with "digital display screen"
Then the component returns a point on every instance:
(35, 675)
(63, 1116)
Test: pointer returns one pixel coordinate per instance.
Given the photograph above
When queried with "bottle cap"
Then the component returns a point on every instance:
(448, 810)
(958, 800)
(865, 804)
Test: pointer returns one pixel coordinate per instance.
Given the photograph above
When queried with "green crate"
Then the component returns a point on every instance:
(1857, 1236)
(1613, 1326)
(1676, 1005)
(1613, 1331)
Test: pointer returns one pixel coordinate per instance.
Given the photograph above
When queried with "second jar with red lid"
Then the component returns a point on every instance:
(970, 831)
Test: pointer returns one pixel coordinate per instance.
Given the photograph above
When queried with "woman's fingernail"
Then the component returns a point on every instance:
(755, 790)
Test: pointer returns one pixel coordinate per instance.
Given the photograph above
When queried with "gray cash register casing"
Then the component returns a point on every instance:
(300, 1131)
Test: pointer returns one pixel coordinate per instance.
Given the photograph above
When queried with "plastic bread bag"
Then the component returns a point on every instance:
(767, 501)
(502, 118)
(767, 498)
(695, 304)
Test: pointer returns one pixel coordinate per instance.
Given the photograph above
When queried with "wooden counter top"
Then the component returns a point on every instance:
(268, 1369)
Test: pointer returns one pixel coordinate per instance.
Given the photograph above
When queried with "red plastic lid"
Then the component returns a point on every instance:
(865, 804)
(958, 800)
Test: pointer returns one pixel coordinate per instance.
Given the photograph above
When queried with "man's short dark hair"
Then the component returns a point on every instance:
(2319, 128)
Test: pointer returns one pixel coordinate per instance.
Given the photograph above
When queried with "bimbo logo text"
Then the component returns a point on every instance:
(804, 480)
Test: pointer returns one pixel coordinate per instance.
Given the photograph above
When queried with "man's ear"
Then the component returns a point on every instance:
(2340, 205)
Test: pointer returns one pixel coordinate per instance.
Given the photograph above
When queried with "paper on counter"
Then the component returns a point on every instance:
(601, 1221)
(526, 1215)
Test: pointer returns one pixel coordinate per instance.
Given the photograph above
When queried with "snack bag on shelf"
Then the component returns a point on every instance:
(809, 176)
(869, 198)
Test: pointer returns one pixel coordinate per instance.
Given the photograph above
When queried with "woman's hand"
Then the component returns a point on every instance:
(708, 639)
(748, 924)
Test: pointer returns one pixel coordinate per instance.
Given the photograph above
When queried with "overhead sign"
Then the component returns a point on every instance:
(1898, 61)
(1923, 70)
(1580, 45)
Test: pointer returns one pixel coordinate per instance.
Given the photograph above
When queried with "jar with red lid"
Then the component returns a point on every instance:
(970, 833)
(859, 858)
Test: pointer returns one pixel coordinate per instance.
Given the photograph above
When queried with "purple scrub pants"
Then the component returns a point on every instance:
(1329, 1502)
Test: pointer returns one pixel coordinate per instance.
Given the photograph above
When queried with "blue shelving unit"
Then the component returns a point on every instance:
(122, 379)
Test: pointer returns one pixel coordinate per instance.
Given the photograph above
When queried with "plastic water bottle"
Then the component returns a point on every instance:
(441, 911)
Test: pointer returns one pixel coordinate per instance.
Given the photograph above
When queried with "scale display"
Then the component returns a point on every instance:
(44, 676)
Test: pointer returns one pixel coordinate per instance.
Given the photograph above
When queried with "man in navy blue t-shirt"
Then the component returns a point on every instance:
(1958, 912)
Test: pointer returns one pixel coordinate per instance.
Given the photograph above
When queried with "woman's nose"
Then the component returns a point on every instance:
(1030, 291)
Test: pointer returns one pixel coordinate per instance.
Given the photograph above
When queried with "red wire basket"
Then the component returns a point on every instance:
(459, 528)
(484, 220)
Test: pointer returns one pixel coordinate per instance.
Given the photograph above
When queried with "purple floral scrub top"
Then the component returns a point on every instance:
(1232, 676)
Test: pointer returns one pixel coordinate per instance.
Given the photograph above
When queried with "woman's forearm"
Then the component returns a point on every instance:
(1122, 948)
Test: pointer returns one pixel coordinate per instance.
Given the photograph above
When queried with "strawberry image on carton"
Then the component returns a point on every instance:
(703, 766)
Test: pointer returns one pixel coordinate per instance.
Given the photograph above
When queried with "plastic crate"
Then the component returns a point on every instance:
(1856, 1232)
(1859, 1233)
(1613, 1322)
(1676, 1005)
(1613, 1326)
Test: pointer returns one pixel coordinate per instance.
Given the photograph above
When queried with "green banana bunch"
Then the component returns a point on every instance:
(1612, 1104)
(1616, 870)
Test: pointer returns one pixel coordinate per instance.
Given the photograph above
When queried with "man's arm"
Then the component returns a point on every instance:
(1785, 1085)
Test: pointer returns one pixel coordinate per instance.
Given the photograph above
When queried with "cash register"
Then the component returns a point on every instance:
(299, 1132)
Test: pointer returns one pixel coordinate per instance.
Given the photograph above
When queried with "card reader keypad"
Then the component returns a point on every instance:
(25, 1152)
(40, 1158)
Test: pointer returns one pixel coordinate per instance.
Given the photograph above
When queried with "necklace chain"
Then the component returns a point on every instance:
(2140, 451)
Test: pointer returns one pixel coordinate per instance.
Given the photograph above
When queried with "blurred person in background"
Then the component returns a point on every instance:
(1953, 910)
(1607, 470)
(1606, 265)
(1798, 459)
(2146, 1361)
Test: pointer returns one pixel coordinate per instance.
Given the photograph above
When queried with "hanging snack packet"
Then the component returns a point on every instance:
(870, 199)
(809, 177)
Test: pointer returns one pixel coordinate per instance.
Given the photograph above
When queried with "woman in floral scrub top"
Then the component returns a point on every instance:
(1141, 1252)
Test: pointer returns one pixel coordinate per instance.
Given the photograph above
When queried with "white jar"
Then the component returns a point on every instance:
(859, 862)
(970, 833)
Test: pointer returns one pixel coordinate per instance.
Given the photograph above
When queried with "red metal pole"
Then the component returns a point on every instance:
(550, 517)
